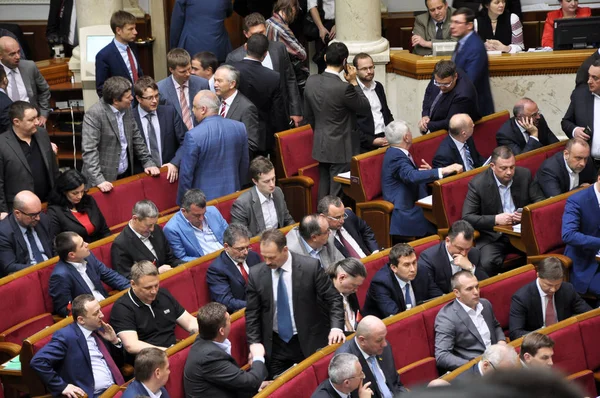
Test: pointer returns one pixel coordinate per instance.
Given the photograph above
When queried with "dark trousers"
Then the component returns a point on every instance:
(320, 46)
(494, 252)
(326, 173)
(284, 355)
(127, 173)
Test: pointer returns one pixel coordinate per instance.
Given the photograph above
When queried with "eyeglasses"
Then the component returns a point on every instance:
(152, 97)
(340, 218)
(361, 375)
(367, 68)
(32, 215)
(438, 84)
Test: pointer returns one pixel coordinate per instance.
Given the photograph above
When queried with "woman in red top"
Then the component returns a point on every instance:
(568, 9)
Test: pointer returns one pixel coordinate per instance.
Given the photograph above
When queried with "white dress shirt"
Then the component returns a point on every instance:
(456, 268)
(268, 61)
(268, 210)
(156, 126)
(123, 51)
(350, 241)
(211, 83)
(403, 286)
(206, 238)
(150, 393)
(72, 26)
(595, 150)
(349, 313)
(463, 152)
(145, 241)
(20, 84)
(244, 264)
(228, 102)
(573, 176)
(479, 322)
(103, 378)
(544, 301)
(508, 206)
(328, 7)
(81, 269)
(287, 279)
(371, 95)
(123, 161)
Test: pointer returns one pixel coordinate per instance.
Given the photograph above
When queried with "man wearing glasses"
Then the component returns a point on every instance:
(450, 92)
(25, 237)
(345, 376)
(227, 276)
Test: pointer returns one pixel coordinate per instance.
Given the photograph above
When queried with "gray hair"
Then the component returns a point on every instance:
(323, 206)
(233, 75)
(352, 266)
(309, 226)
(498, 353)
(342, 367)
(396, 131)
(234, 232)
(141, 269)
(114, 88)
(145, 209)
(209, 100)
(194, 197)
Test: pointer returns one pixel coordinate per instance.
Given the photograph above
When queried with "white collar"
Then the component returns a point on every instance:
(86, 332)
(143, 112)
(158, 394)
(177, 85)
(230, 99)
(469, 310)
(79, 266)
(115, 110)
(542, 293)
(262, 197)
(225, 345)
(141, 237)
(287, 266)
(499, 184)
(571, 172)
(458, 144)
(365, 87)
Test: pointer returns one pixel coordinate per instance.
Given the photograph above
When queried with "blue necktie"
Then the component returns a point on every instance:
(455, 53)
(407, 299)
(284, 316)
(470, 164)
(35, 250)
(383, 388)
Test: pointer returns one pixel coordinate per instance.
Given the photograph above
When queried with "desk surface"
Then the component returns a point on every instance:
(508, 230)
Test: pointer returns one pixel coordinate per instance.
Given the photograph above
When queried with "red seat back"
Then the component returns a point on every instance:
(160, 191)
(547, 227)
(102, 253)
(372, 267)
(589, 335)
(485, 130)
(295, 149)
(183, 289)
(532, 162)
(313, 173)
(239, 345)
(453, 195)
(407, 339)
(106, 310)
(224, 204)
(569, 354)
(429, 320)
(22, 298)
(44, 275)
(370, 175)
(425, 149)
(299, 387)
(117, 204)
(197, 275)
(177, 364)
(321, 366)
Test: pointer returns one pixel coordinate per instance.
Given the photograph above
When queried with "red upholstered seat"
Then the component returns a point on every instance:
(372, 267)
(119, 394)
(485, 130)
(370, 175)
(177, 363)
(408, 341)
(301, 386)
(224, 204)
(28, 328)
(295, 149)
(106, 310)
(547, 227)
(585, 380)
(419, 372)
(44, 275)
(532, 163)
(425, 150)
(453, 196)
(183, 289)
(569, 354)
(429, 320)
(320, 367)
(160, 191)
(102, 253)
(239, 345)
(197, 275)
(312, 172)
(589, 336)
(116, 205)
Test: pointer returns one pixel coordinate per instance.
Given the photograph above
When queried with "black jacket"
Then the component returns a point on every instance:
(510, 135)
(366, 123)
(553, 178)
(62, 219)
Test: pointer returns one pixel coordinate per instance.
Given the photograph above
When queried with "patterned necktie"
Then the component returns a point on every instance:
(14, 90)
(112, 366)
(223, 109)
(284, 315)
(439, 33)
(550, 313)
(185, 110)
(347, 245)
(379, 377)
(134, 71)
(35, 250)
(470, 164)
(154, 152)
(407, 299)
(347, 324)
(243, 271)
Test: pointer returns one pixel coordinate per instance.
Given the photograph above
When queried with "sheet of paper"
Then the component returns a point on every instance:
(344, 175)
(428, 200)
(517, 228)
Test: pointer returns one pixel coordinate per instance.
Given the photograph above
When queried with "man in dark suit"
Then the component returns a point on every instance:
(151, 374)
(431, 26)
(345, 376)
(471, 56)
(235, 105)
(402, 183)
(526, 130)
(181, 87)
(371, 124)
(210, 370)
(399, 286)
(580, 119)
(227, 275)
(294, 333)
(278, 60)
(459, 146)
(454, 254)
(449, 92)
(110, 138)
(566, 170)
(347, 276)
(65, 364)
(545, 301)
(142, 239)
(119, 57)
(353, 236)
(5, 103)
(79, 272)
(261, 85)
(582, 73)
(162, 128)
(495, 357)
(496, 197)
(466, 326)
(25, 236)
(375, 357)
(27, 161)
(536, 351)
(61, 29)
(262, 207)
(331, 106)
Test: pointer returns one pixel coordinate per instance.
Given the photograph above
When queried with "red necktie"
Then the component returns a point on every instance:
(243, 271)
(134, 71)
(185, 110)
(348, 246)
(112, 366)
(550, 313)
(223, 108)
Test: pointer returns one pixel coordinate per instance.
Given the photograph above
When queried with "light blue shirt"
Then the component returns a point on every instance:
(156, 126)
(122, 139)
(37, 242)
(206, 238)
(123, 51)
(508, 205)
(314, 253)
(103, 378)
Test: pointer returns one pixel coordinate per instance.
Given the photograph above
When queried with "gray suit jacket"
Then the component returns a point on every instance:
(243, 110)
(457, 340)
(247, 210)
(38, 89)
(328, 255)
(425, 27)
(330, 107)
(101, 147)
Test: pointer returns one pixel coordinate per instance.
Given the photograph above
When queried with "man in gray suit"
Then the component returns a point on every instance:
(262, 207)
(312, 238)
(25, 82)
(110, 137)
(432, 26)
(235, 105)
(465, 327)
(331, 106)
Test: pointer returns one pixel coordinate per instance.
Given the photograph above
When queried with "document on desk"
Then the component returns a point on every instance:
(344, 175)
(427, 200)
(517, 228)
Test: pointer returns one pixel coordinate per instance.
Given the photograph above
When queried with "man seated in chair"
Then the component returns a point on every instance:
(537, 351)
(345, 377)
(347, 276)
(151, 374)
(495, 357)
(312, 238)
(459, 146)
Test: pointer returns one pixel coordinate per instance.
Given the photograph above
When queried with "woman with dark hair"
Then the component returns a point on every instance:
(568, 9)
(500, 29)
(70, 208)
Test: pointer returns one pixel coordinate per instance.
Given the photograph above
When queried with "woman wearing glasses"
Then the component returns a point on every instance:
(500, 29)
(70, 208)
(568, 9)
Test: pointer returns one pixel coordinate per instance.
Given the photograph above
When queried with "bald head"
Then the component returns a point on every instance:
(370, 335)
(522, 105)
(206, 103)
(369, 325)
(27, 207)
(461, 127)
(10, 52)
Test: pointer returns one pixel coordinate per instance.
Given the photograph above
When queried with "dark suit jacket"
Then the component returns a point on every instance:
(553, 178)
(172, 133)
(5, 103)
(170, 96)
(128, 249)
(361, 232)
(37, 87)
(325, 390)
(435, 262)
(66, 283)
(330, 107)
(59, 20)
(262, 86)
(247, 210)
(483, 202)
(14, 255)
(582, 72)
(447, 154)
(386, 363)
(425, 27)
(243, 110)
(526, 313)
(62, 219)
(310, 287)
(580, 112)
(211, 372)
(109, 63)
(136, 389)
(16, 175)
(510, 135)
(385, 296)
(66, 360)
(225, 281)
(462, 99)
(366, 123)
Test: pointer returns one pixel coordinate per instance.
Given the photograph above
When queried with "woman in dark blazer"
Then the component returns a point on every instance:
(70, 208)
(499, 29)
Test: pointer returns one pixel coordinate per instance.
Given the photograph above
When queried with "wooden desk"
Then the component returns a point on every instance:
(513, 236)
(13, 383)
(427, 211)
(345, 182)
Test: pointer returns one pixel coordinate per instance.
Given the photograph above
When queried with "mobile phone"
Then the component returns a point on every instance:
(588, 130)
(520, 210)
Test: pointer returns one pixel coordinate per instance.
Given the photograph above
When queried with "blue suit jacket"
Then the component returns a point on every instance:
(581, 234)
(473, 59)
(181, 236)
(66, 283)
(225, 281)
(169, 95)
(66, 360)
(447, 154)
(136, 389)
(109, 63)
(215, 158)
(403, 184)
